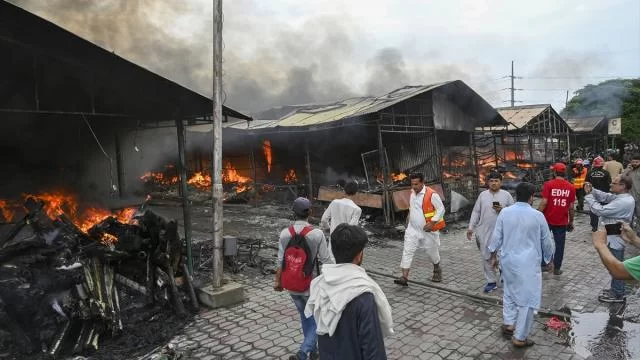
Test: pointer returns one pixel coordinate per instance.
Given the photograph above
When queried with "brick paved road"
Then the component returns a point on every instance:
(430, 323)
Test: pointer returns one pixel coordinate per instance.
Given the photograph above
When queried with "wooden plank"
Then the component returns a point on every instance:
(326, 193)
(401, 196)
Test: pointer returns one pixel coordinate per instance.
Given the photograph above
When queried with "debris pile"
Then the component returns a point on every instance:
(61, 288)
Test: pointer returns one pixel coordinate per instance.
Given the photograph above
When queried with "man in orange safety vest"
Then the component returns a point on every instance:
(579, 177)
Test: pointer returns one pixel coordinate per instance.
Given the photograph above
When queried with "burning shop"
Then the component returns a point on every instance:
(80, 259)
(535, 137)
(590, 136)
(309, 149)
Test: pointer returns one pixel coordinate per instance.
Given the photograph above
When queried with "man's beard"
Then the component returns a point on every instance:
(635, 166)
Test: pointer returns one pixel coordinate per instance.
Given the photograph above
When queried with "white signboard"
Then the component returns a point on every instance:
(615, 126)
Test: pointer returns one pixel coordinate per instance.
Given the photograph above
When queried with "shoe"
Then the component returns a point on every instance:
(314, 355)
(298, 356)
(608, 298)
(402, 281)
(557, 272)
(490, 287)
(544, 269)
(606, 291)
(437, 275)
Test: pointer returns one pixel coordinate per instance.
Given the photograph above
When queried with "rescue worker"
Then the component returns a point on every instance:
(425, 220)
(579, 178)
(600, 179)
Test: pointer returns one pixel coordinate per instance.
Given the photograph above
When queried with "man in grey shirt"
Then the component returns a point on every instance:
(613, 208)
(318, 251)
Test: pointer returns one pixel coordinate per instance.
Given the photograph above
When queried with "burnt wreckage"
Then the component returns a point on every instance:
(59, 286)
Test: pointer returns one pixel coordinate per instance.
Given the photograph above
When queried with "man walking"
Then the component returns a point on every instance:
(425, 220)
(613, 167)
(524, 240)
(600, 179)
(558, 196)
(342, 211)
(579, 178)
(351, 311)
(300, 247)
(634, 174)
(483, 220)
(613, 208)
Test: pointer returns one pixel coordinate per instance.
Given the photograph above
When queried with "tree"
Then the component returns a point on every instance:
(631, 114)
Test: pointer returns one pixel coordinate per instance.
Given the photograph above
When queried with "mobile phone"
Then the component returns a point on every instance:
(613, 229)
(496, 203)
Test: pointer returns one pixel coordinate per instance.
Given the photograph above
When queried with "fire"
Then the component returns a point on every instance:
(398, 177)
(447, 175)
(108, 239)
(58, 203)
(510, 175)
(6, 210)
(230, 175)
(200, 181)
(266, 147)
(159, 178)
(524, 165)
(290, 177)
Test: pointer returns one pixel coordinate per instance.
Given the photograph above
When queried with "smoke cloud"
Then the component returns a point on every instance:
(265, 65)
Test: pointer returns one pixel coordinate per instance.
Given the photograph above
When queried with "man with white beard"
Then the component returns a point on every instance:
(483, 220)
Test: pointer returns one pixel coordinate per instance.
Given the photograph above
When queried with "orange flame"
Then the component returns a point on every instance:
(266, 147)
(510, 175)
(398, 177)
(108, 239)
(159, 178)
(447, 175)
(290, 177)
(6, 210)
(200, 181)
(230, 175)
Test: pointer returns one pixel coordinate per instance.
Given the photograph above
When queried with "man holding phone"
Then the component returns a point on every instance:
(483, 220)
(612, 209)
(558, 196)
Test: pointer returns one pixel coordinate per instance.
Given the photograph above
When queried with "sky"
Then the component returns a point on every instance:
(285, 52)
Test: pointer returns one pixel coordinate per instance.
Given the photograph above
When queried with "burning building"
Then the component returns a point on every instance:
(535, 136)
(378, 140)
(590, 135)
(66, 108)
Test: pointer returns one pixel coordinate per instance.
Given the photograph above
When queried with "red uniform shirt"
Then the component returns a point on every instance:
(560, 194)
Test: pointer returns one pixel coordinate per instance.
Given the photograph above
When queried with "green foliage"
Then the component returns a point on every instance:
(631, 114)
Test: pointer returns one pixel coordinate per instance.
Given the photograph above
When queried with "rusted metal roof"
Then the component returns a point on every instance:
(320, 115)
(587, 124)
(519, 116)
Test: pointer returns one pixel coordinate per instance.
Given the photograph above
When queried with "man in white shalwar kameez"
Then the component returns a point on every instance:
(420, 231)
(483, 221)
(524, 240)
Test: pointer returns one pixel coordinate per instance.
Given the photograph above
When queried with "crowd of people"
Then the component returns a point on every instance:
(345, 315)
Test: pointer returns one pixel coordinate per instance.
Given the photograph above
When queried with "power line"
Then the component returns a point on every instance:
(580, 77)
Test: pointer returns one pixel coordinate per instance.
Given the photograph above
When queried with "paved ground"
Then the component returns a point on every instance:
(430, 323)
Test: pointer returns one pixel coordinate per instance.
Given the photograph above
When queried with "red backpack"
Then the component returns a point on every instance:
(297, 264)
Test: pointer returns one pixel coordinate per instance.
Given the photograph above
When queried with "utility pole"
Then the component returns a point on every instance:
(566, 111)
(217, 145)
(512, 87)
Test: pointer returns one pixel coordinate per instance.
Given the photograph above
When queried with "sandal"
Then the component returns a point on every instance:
(401, 281)
(437, 275)
(507, 331)
(522, 344)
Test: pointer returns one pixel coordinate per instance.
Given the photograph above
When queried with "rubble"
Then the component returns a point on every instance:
(63, 290)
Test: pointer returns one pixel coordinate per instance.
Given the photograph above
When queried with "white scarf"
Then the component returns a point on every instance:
(335, 288)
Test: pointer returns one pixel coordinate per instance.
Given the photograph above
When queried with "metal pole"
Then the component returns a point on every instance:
(217, 145)
(512, 86)
(308, 158)
(119, 167)
(186, 208)
(383, 168)
(255, 177)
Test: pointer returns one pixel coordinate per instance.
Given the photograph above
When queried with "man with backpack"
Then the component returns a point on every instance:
(300, 248)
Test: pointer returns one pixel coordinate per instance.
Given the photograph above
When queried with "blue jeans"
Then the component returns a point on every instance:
(617, 286)
(559, 237)
(310, 343)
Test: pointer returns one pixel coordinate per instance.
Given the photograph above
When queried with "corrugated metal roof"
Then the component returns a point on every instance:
(585, 124)
(313, 115)
(519, 116)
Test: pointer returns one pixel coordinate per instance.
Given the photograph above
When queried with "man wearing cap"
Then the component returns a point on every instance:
(600, 179)
(579, 177)
(558, 196)
(319, 251)
(483, 220)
